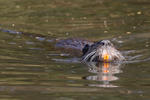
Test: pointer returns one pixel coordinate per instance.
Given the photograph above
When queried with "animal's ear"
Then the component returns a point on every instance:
(85, 49)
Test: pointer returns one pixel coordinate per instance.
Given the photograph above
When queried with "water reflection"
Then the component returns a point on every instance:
(105, 72)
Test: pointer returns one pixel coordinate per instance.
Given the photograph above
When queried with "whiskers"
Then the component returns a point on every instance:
(88, 56)
(98, 54)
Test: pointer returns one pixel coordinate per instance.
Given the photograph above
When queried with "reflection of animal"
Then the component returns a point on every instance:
(92, 51)
(104, 72)
(99, 51)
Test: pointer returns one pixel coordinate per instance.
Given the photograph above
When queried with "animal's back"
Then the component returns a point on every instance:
(73, 43)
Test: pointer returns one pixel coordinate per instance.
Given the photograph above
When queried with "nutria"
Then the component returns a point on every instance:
(92, 51)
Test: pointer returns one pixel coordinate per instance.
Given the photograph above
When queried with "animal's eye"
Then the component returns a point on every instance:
(102, 43)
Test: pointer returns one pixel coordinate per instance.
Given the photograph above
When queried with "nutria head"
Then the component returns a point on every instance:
(101, 51)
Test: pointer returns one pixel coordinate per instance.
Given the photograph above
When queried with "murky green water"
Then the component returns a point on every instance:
(34, 70)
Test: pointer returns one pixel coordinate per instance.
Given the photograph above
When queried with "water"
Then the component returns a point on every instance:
(34, 69)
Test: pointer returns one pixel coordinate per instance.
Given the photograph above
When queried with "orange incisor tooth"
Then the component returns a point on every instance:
(106, 57)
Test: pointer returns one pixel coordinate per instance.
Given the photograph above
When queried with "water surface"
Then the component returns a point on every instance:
(32, 68)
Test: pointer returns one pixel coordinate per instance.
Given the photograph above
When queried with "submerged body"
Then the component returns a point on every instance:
(101, 51)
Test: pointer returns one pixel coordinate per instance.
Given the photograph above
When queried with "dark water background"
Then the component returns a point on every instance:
(32, 69)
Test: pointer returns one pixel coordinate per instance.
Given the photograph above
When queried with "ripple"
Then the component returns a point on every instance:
(71, 60)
